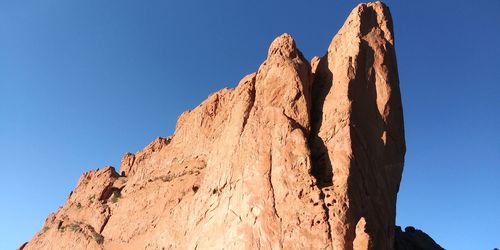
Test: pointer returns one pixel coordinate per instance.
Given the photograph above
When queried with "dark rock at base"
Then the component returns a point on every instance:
(414, 239)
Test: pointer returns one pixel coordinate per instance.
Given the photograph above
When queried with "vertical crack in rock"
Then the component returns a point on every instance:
(105, 222)
(273, 195)
(321, 167)
(249, 107)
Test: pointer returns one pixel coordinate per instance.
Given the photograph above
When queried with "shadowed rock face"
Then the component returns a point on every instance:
(297, 156)
(358, 146)
(414, 239)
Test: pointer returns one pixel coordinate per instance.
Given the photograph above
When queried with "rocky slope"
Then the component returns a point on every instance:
(297, 156)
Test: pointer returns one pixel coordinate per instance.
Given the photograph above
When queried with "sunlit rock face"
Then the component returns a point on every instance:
(298, 156)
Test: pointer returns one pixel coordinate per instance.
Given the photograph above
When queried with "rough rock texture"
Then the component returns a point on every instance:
(358, 145)
(297, 156)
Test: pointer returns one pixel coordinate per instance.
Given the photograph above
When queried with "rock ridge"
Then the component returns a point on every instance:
(298, 155)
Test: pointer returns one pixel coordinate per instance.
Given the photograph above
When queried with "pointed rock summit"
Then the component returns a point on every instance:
(298, 156)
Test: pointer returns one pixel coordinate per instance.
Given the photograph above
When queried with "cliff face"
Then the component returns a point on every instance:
(297, 156)
(358, 140)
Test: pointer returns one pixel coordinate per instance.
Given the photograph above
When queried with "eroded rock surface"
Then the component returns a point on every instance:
(298, 156)
(358, 145)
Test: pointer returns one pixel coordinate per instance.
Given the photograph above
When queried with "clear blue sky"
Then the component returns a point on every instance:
(82, 82)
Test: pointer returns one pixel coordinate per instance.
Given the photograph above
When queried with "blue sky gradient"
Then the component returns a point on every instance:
(83, 82)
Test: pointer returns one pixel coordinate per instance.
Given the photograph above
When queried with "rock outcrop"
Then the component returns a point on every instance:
(298, 156)
(414, 239)
(358, 145)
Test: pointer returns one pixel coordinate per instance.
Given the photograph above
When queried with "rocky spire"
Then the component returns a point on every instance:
(357, 142)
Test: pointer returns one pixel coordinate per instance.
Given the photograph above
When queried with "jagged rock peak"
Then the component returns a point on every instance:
(284, 81)
(283, 46)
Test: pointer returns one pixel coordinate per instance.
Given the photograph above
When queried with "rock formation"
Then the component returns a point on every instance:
(297, 156)
(414, 239)
(358, 145)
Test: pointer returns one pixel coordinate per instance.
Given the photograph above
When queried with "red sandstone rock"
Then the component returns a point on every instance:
(297, 156)
(358, 145)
